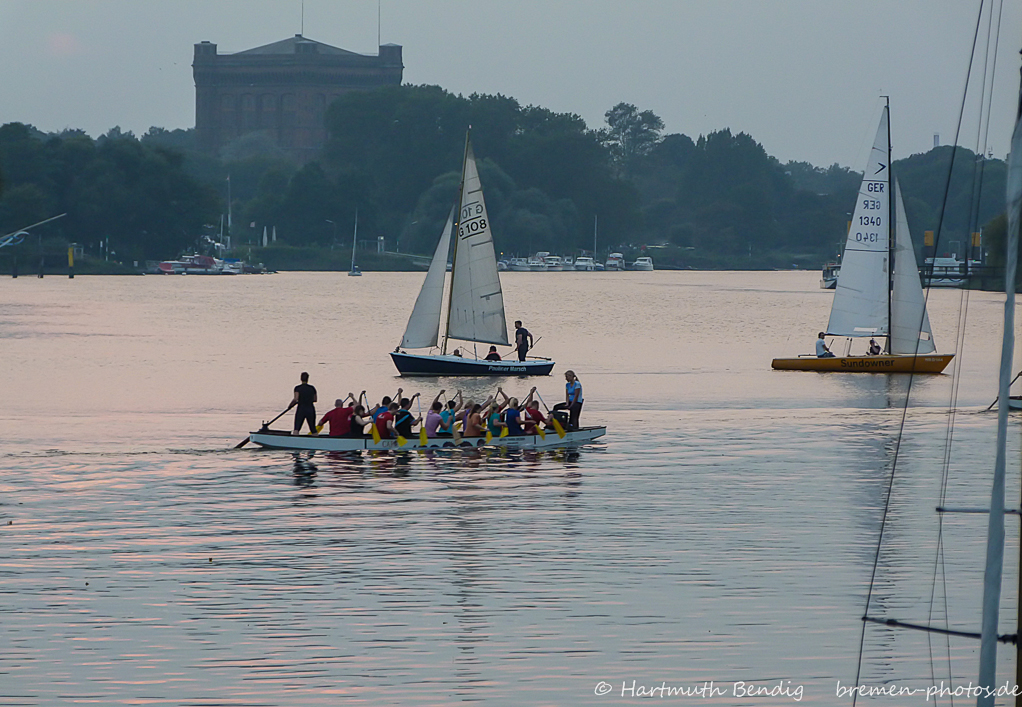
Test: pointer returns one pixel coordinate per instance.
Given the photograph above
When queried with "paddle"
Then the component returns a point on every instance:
(557, 425)
(245, 441)
(998, 397)
(423, 437)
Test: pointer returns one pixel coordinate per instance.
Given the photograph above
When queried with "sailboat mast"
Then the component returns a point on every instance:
(995, 527)
(457, 233)
(354, 241)
(890, 225)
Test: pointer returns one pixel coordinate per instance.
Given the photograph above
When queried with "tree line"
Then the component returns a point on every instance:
(394, 155)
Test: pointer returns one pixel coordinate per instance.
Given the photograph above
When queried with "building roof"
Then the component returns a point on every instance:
(289, 46)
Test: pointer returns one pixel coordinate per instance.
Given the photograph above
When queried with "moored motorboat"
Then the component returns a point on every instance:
(281, 439)
(615, 261)
(519, 265)
(553, 263)
(645, 263)
(828, 276)
(584, 263)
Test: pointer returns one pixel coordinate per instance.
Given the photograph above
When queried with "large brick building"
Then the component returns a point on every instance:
(281, 89)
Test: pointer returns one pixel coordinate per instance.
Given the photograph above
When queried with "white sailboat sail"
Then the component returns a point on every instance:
(424, 323)
(477, 303)
(861, 298)
(910, 324)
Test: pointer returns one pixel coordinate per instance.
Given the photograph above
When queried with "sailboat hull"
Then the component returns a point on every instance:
(423, 365)
(928, 363)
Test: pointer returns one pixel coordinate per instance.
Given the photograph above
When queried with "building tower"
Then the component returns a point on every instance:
(281, 90)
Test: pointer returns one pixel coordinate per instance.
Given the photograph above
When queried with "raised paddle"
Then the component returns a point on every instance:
(245, 441)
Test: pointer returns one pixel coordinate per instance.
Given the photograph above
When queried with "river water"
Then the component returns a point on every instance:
(724, 530)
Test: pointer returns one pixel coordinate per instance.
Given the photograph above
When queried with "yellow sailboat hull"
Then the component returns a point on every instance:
(926, 363)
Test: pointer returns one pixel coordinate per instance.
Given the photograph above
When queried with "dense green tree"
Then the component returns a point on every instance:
(631, 134)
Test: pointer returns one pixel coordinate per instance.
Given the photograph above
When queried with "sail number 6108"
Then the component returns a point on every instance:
(471, 227)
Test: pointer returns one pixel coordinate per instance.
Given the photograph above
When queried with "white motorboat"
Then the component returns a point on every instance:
(585, 263)
(828, 278)
(615, 261)
(553, 263)
(537, 264)
(519, 265)
(644, 263)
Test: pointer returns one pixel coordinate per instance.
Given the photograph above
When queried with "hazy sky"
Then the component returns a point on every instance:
(803, 77)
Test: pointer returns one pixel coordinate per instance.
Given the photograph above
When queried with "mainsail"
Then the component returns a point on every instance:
(861, 298)
(424, 322)
(910, 325)
(477, 303)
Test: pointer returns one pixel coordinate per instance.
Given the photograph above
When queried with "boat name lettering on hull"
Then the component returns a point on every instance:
(868, 363)
(509, 369)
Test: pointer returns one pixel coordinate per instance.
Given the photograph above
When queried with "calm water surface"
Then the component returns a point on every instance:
(723, 530)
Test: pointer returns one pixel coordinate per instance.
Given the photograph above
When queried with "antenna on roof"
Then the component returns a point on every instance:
(303, 18)
(378, 22)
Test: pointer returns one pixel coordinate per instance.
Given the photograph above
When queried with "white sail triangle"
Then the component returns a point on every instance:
(910, 324)
(477, 303)
(424, 323)
(860, 305)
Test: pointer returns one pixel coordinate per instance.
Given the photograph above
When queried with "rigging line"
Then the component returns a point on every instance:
(908, 392)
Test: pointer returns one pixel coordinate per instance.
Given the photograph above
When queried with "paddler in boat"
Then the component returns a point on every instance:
(305, 398)
(340, 418)
(359, 420)
(474, 421)
(513, 419)
(493, 423)
(532, 418)
(403, 419)
(385, 404)
(385, 421)
(821, 347)
(449, 415)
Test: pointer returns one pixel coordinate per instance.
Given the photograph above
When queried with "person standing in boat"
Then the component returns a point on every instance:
(305, 398)
(572, 399)
(523, 340)
(821, 347)
(340, 417)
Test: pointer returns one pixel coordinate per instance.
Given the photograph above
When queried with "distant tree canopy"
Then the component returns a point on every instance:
(394, 155)
(114, 187)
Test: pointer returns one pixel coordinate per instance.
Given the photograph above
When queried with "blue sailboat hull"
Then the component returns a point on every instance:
(424, 365)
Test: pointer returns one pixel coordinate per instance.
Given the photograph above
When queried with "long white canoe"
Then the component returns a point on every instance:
(275, 439)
